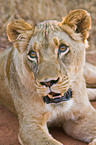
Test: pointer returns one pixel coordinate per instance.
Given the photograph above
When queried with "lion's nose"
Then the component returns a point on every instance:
(49, 83)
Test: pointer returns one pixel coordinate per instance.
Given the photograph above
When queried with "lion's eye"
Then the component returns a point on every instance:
(32, 54)
(63, 48)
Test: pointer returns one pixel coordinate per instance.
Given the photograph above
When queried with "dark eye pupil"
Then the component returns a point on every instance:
(32, 54)
(62, 48)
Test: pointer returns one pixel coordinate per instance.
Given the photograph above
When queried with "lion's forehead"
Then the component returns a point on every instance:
(46, 28)
(45, 32)
(47, 25)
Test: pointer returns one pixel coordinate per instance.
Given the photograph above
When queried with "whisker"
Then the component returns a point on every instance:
(60, 88)
(73, 80)
(63, 84)
(64, 80)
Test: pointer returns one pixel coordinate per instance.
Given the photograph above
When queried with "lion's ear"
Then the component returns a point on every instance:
(18, 32)
(79, 20)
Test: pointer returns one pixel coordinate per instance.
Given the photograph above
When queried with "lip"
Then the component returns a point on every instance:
(54, 95)
(57, 98)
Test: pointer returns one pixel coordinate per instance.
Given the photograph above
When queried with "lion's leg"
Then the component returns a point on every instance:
(84, 127)
(33, 130)
(35, 134)
(91, 94)
(90, 73)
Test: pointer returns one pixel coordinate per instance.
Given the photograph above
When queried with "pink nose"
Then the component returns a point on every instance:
(49, 83)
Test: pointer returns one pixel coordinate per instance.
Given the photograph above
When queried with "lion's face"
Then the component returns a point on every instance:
(54, 54)
(55, 60)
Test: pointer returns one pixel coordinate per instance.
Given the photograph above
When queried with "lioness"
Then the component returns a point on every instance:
(42, 79)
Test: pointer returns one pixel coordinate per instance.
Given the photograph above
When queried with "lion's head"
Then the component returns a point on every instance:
(53, 52)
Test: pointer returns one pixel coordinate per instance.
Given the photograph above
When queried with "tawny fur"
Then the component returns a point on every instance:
(21, 75)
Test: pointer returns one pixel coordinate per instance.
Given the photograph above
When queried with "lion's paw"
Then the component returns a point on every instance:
(93, 142)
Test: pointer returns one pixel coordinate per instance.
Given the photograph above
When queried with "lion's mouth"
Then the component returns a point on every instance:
(53, 97)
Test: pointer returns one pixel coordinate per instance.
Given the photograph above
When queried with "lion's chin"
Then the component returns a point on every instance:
(53, 97)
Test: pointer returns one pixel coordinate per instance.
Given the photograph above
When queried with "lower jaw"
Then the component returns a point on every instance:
(67, 96)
